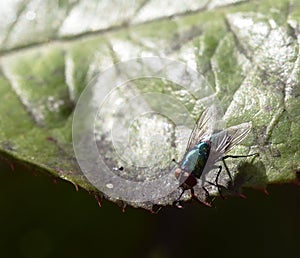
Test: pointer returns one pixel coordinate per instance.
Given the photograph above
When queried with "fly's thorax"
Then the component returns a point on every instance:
(195, 159)
(192, 165)
(204, 148)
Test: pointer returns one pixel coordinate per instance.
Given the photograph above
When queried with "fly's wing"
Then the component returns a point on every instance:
(203, 128)
(225, 141)
(222, 142)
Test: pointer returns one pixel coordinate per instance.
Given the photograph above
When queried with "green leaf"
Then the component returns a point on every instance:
(247, 51)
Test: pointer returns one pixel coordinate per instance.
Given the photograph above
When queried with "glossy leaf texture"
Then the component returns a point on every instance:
(247, 50)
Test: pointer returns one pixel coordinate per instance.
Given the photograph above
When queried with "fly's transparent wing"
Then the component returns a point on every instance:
(237, 134)
(225, 141)
(222, 142)
(203, 128)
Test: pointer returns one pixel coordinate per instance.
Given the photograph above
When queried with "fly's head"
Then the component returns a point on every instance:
(186, 180)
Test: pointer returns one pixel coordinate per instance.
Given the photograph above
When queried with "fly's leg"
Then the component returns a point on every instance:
(227, 169)
(201, 202)
(177, 202)
(207, 195)
(216, 183)
(240, 156)
(233, 157)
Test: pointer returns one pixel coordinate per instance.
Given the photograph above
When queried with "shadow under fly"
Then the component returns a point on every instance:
(206, 147)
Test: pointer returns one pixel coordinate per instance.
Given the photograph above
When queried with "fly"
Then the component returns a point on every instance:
(205, 148)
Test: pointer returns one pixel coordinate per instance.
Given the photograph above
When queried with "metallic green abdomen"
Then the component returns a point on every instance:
(195, 159)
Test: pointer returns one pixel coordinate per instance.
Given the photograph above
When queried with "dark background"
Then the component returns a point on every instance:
(40, 218)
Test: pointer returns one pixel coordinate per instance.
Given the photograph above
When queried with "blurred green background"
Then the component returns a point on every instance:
(41, 218)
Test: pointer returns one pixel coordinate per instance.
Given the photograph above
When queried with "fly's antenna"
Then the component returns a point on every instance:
(176, 162)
